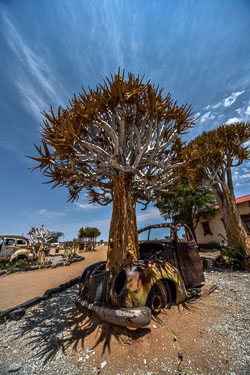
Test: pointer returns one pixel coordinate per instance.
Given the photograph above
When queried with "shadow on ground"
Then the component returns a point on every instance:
(56, 324)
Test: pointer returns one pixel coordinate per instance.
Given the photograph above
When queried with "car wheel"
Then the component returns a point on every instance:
(158, 297)
(21, 257)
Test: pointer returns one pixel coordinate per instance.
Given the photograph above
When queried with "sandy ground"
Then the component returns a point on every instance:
(207, 336)
(19, 287)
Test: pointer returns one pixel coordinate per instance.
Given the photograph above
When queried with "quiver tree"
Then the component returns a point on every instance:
(119, 141)
(209, 160)
(70, 249)
(39, 237)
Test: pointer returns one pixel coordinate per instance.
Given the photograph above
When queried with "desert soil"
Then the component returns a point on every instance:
(209, 335)
(19, 287)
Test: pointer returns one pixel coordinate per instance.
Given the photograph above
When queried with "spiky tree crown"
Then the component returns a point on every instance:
(214, 153)
(122, 126)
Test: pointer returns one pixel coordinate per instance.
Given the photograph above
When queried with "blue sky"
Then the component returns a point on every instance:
(197, 50)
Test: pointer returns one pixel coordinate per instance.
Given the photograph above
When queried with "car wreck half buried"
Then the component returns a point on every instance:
(169, 271)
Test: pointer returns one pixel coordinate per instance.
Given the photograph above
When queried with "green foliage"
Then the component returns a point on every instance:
(54, 236)
(236, 257)
(214, 245)
(89, 232)
(19, 264)
(186, 206)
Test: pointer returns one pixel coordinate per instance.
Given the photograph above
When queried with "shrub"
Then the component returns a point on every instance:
(236, 257)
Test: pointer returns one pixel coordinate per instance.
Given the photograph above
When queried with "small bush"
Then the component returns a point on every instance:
(214, 245)
(236, 257)
(19, 264)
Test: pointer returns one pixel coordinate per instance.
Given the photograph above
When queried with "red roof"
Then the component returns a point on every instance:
(245, 198)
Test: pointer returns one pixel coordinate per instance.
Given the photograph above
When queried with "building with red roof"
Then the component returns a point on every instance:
(214, 230)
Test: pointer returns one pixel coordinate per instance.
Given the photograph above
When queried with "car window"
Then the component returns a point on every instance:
(159, 234)
(143, 236)
(181, 234)
(155, 234)
(9, 241)
(21, 242)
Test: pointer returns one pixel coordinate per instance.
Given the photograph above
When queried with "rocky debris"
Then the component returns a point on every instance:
(14, 367)
(16, 313)
(56, 262)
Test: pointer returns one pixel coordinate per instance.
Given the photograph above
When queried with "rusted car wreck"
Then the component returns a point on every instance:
(168, 271)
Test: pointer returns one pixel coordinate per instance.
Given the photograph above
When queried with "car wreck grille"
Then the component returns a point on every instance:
(98, 286)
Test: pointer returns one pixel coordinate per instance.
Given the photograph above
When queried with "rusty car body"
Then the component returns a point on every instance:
(168, 270)
(15, 247)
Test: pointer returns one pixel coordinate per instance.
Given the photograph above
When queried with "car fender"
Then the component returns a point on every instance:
(17, 253)
(141, 276)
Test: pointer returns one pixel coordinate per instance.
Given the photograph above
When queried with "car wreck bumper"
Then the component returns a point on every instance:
(131, 317)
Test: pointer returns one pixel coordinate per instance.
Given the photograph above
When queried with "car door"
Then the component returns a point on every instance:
(8, 247)
(189, 258)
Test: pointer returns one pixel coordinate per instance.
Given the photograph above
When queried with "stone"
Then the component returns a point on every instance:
(15, 367)
(16, 314)
(103, 364)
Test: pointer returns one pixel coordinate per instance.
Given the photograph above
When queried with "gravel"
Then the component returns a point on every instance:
(41, 342)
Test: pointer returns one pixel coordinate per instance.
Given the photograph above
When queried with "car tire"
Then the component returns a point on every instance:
(159, 296)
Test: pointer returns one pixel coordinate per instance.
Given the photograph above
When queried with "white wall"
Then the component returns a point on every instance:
(216, 226)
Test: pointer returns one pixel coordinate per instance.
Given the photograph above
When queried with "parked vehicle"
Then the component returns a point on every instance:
(15, 247)
(168, 271)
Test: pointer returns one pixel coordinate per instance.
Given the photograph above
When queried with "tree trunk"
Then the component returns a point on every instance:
(192, 228)
(123, 237)
(235, 231)
(41, 255)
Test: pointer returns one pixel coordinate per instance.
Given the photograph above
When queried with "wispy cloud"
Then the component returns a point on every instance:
(227, 102)
(207, 116)
(34, 77)
(248, 111)
(44, 213)
(86, 206)
(233, 120)
(232, 98)
(151, 214)
(246, 175)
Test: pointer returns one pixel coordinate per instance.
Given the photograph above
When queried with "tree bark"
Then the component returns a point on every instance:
(123, 237)
(235, 231)
(41, 255)
(192, 228)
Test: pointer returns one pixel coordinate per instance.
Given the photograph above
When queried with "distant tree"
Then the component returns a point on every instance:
(90, 234)
(187, 206)
(39, 237)
(119, 141)
(82, 233)
(54, 236)
(68, 249)
(209, 159)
